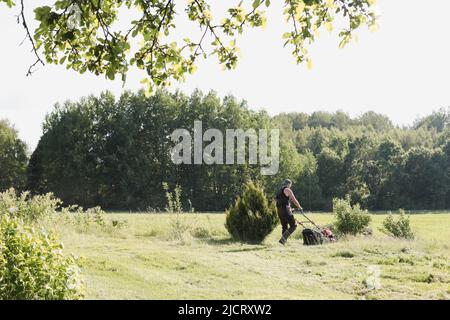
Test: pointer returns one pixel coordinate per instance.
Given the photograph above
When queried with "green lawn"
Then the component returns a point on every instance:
(190, 256)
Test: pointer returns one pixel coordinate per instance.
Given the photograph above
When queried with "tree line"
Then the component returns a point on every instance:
(116, 153)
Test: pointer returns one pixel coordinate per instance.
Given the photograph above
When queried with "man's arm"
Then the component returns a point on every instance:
(288, 192)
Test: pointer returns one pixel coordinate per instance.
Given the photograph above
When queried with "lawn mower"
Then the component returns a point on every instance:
(314, 235)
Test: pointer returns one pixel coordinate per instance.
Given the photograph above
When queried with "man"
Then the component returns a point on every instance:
(284, 197)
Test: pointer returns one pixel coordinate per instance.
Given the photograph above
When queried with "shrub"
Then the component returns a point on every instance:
(173, 198)
(32, 265)
(344, 254)
(251, 218)
(179, 227)
(201, 233)
(349, 219)
(399, 228)
(97, 216)
(26, 207)
(89, 219)
(43, 208)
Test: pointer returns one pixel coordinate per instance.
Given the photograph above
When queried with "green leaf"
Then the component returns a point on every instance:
(9, 3)
(256, 3)
(111, 74)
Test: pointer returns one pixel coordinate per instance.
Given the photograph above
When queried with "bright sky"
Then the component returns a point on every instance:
(401, 70)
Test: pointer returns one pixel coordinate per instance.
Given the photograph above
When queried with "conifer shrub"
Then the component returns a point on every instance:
(252, 218)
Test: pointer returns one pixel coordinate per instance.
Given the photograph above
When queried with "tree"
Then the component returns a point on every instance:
(446, 154)
(100, 151)
(360, 170)
(320, 119)
(377, 121)
(424, 178)
(64, 161)
(318, 140)
(116, 153)
(291, 167)
(439, 120)
(307, 186)
(83, 35)
(341, 120)
(330, 173)
(388, 160)
(299, 120)
(13, 158)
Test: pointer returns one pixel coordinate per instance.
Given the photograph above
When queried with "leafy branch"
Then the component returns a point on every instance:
(83, 34)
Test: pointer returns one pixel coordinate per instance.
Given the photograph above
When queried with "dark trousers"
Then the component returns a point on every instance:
(287, 220)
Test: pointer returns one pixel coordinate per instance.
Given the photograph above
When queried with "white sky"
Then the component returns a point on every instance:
(402, 70)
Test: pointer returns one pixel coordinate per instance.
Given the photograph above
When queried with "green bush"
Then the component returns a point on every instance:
(43, 208)
(91, 219)
(349, 219)
(26, 207)
(251, 218)
(399, 228)
(32, 265)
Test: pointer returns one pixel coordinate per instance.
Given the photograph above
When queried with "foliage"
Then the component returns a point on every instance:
(116, 154)
(41, 208)
(9, 3)
(376, 121)
(438, 120)
(13, 158)
(380, 166)
(83, 35)
(173, 198)
(26, 207)
(425, 178)
(181, 230)
(32, 265)
(87, 220)
(349, 219)
(399, 228)
(251, 218)
(308, 185)
(92, 216)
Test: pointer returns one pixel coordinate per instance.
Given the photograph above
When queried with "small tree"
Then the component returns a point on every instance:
(350, 219)
(251, 219)
(13, 158)
(399, 228)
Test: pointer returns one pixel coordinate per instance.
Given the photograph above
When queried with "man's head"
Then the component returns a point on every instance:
(287, 183)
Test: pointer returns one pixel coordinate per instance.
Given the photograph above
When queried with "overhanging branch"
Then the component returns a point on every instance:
(21, 19)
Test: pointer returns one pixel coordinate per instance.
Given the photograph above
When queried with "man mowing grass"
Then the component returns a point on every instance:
(284, 197)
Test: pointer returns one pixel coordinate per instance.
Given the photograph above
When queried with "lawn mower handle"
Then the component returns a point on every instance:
(298, 222)
(304, 215)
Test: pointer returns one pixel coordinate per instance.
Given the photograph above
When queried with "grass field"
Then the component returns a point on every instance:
(190, 256)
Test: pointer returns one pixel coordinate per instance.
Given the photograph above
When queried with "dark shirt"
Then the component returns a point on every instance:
(282, 199)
